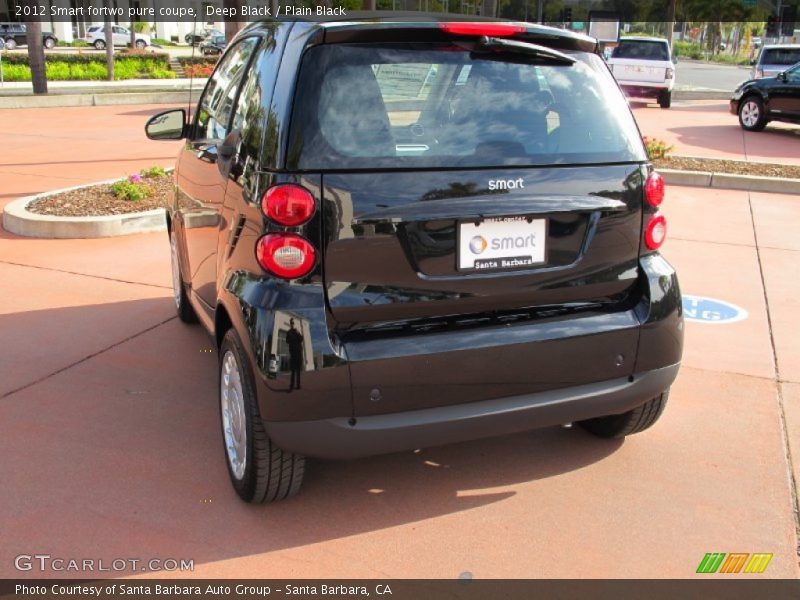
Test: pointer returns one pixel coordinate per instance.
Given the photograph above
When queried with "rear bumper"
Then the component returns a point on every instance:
(342, 438)
(644, 90)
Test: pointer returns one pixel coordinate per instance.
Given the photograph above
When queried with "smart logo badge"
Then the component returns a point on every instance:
(742, 562)
(477, 244)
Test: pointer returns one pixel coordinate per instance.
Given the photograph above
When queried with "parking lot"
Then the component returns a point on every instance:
(111, 445)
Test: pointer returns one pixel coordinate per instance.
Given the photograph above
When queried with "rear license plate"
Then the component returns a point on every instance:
(507, 243)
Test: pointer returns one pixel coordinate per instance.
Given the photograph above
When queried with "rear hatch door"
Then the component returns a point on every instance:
(482, 218)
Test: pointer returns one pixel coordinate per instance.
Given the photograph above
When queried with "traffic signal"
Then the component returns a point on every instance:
(773, 26)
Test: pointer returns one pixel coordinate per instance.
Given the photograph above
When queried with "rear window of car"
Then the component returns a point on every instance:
(780, 56)
(93, 29)
(641, 50)
(426, 106)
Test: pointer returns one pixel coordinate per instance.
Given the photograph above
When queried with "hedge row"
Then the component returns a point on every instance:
(14, 58)
(197, 60)
(124, 68)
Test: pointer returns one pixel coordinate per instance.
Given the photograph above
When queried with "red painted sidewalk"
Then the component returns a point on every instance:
(111, 448)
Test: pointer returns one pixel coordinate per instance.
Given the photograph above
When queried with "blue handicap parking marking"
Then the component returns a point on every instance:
(711, 310)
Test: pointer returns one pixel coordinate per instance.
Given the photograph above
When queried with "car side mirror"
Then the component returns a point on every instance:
(168, 125)
(782, 76)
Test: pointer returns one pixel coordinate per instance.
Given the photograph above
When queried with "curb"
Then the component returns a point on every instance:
(181, 96)
(93, 99)
(19, 220)
(748, 183)
(701, 95)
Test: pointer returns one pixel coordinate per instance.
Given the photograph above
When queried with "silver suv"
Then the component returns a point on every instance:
(775, 59)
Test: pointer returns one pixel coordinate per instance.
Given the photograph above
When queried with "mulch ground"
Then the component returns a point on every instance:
(734, 167)
(98, 200)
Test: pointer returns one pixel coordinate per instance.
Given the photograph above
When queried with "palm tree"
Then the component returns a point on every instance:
(109, 42)
(33, 30)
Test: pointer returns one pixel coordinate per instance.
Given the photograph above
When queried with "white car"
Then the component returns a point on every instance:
(96, 36)
(644, 67)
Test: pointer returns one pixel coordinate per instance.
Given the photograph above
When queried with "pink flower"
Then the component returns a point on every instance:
(135, 178)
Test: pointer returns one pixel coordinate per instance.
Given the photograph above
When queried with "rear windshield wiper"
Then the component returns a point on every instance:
(488, 44)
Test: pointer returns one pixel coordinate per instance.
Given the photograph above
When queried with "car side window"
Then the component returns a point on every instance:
(793, 76)
(216, 105)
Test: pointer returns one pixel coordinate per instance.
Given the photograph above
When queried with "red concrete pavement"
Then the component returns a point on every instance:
(706, 128)
(111, 447)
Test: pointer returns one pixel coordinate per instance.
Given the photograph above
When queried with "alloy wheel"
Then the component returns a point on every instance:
(234, 425)
(177, 284)
(750, 113)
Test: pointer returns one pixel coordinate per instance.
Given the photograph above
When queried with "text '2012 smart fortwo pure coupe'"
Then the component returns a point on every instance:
(404, 234)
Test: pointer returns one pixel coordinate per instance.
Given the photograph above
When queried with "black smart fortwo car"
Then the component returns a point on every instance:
(404, 234)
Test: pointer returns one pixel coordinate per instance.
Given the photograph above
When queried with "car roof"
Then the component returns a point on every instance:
(641, 38)
(377, 20)
(781, 46)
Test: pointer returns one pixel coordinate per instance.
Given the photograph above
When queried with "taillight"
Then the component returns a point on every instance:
(670, 73)
(656, 232)
(759, 73)
(489, 29)
(288, 204)
(286, 255)
(654, 189)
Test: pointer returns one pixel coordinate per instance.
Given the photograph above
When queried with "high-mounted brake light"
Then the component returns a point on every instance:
(656, 232)
(477, 29)
(288, 204)
(286, 255)
(654, 189)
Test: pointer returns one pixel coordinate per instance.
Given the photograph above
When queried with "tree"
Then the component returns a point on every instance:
(36, 56)
(232, 27)
(109, 41)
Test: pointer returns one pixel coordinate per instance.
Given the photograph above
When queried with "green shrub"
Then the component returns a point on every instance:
(93, 70)
(57, 71)
(656, 148)
(16, 72)
(163, 42)
(129, 67)
(729, 59)
(196, 60)
(21, 58)
(153, 172)
(688, 49)
(131, 189)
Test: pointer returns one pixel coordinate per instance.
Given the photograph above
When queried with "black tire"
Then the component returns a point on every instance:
(11, 43)
(182, 305)
(748, 107)
(99, 44)
(665, 99)
(49, 43)
(270, 473)
(141, 44)
(636, 420)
